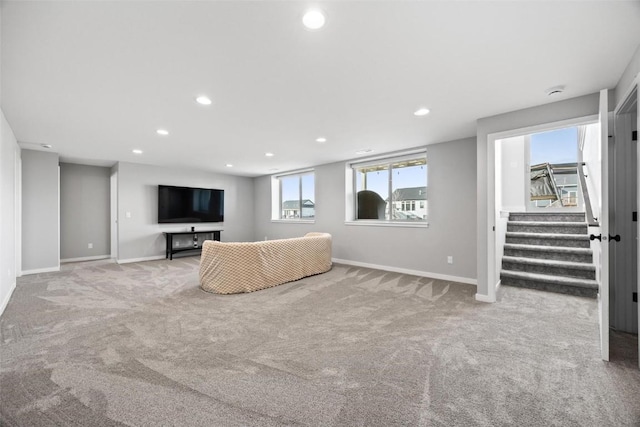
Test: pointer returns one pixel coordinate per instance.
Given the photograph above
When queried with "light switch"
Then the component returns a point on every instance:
(127, 214)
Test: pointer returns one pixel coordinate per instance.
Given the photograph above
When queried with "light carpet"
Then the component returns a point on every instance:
(102, 344)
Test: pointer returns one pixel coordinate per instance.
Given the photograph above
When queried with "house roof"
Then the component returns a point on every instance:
(97, 79)
(412, 193)
(295, 204)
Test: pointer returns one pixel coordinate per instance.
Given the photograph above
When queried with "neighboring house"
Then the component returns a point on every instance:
(410, 203)
(291, 209)
(554, 185)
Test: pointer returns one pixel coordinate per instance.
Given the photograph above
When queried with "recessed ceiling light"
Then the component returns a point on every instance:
(365, 151)
(203, 100)
(229, 165)
(321, 140)
(162, 132)
(273, 169)
(136, 151)
(314, 19)
(269, 154)
(46, 145)
(421, 112)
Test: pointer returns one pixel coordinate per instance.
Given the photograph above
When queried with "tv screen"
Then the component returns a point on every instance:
(185, 204)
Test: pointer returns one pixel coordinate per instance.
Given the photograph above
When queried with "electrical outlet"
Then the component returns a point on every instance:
(449, 259)
(90, 245)
(265, 238)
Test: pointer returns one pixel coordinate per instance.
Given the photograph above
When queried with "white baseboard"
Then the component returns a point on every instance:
(5, 302)
(484, 298)
(148, 258)
(40, 270)
(85, 258)
(408, 271)
(513, 209)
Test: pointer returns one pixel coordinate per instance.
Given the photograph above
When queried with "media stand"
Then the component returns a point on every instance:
(183, 241)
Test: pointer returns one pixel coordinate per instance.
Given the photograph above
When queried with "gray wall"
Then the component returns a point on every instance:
(140, 235)
(84, 211)
(452, 227)
(40, 211)
(8, 152)
(563, 110)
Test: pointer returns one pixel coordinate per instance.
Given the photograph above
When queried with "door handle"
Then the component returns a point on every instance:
(616, 237)
(594, 237)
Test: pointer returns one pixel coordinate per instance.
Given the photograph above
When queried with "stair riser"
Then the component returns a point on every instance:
(548, 242)
(556, 256)
(550, 287)
(538, 228)
(549, 269)
(547, 217)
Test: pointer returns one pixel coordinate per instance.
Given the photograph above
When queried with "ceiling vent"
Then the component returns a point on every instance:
(556, 90)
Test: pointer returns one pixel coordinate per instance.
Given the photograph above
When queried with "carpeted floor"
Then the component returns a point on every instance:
(102, 344)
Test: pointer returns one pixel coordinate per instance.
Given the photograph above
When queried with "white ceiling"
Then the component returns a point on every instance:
(96, 79)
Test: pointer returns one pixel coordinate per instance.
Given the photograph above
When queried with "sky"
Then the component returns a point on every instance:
(291, 187)
(557, 146)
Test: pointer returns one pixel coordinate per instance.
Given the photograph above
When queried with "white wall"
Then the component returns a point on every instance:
(84, 211)
(9, 152)
(591, 157)
(513, 170)
(583, 106)
(451, 231)
(140, 235)
(40, 212)
(630, 73)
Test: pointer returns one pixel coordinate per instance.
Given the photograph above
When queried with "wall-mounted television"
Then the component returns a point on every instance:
(186, 204)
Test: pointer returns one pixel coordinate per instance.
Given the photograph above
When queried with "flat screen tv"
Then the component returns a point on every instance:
(186, 205)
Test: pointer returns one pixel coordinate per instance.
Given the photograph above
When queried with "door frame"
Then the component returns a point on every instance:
(493, 211)
(634, 89)
(113, 197)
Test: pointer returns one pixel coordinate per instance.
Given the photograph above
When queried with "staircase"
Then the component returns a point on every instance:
(550, 252)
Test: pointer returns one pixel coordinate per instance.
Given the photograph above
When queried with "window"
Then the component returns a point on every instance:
(293, 197)
(392, 189)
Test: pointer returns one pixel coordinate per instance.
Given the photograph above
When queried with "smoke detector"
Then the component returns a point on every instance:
(556, 90)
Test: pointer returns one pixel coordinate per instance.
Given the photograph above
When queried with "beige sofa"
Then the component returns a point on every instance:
(230, 268)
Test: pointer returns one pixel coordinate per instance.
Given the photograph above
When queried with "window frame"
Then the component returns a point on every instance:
(351, 169)
(277, 200)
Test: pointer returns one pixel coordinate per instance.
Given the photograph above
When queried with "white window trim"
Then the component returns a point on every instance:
(350, 191)
(386, 223)
(276, 197)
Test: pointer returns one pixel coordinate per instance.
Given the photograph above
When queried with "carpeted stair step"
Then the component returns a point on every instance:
(547, 227)
(550, 267)
(553, 217)
(564, 285)
(548, 239)
(557, 253)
